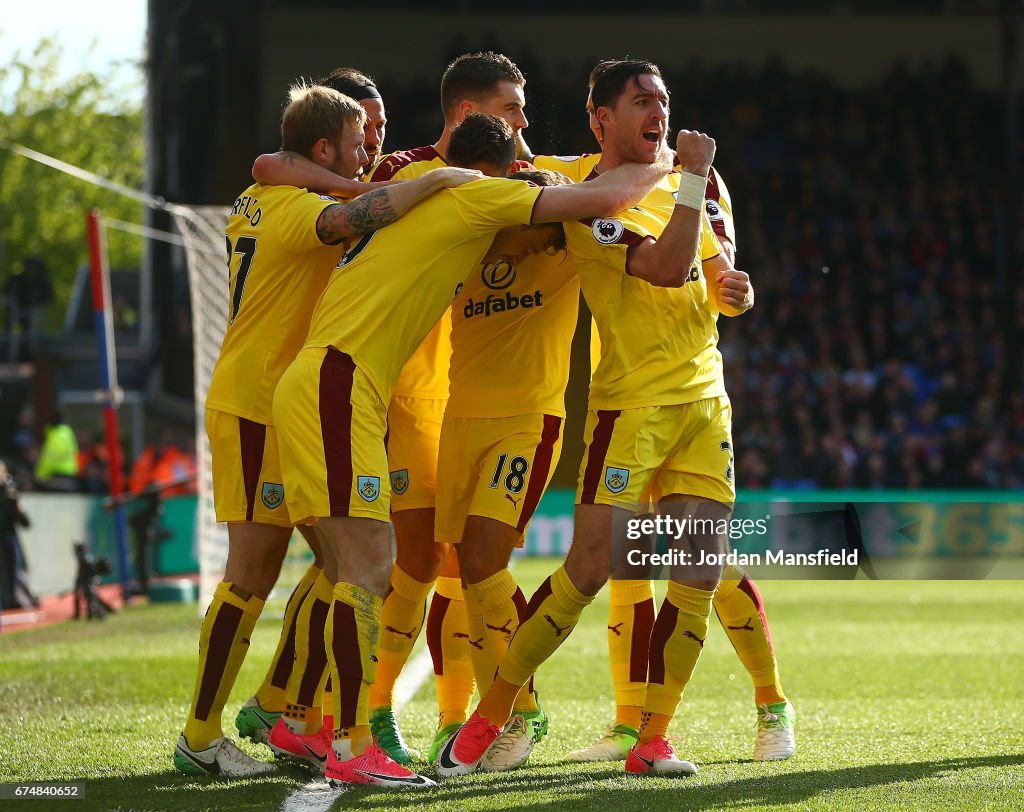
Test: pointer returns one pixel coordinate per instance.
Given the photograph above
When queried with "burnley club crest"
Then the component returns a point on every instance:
(368, 487)
(400, 481)
(616, 479)
(272, 494)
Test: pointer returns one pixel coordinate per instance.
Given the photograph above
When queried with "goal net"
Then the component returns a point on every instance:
(202, 230)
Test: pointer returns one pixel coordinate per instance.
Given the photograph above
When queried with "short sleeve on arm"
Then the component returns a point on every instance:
(296, 220)
(492, 203)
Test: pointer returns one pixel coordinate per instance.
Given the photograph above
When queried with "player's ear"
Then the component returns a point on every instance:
(466, 106)
(320, 149)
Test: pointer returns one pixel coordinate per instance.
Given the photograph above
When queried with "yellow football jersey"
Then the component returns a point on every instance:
(512, 329)
(576, 168)
(425, 374)
(717, 205)
(503, 363)
(659, 345)
(394, 284)
(277, 269)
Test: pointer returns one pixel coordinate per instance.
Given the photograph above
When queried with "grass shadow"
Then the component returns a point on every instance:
(593, 789)
(173, 792)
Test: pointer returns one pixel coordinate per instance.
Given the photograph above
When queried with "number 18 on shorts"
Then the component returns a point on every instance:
(497, 468)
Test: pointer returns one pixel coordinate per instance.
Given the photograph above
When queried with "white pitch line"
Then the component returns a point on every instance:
(415, 673)
(318, 795)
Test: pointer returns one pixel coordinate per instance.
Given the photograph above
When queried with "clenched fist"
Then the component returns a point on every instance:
(734, 288)
(696, 151)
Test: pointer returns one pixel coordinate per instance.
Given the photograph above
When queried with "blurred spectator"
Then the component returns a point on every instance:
(163, 462)
(23, 448)
(14, 588)
(57, 466)
(93, 464)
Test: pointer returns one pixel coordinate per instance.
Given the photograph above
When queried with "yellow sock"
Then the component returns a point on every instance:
(401, 619)
(272, 694)
(630, 715)
(309, 673)
(652, 726)
(676, 643)
(630, 620)
(554, 610)
(526, 699)
(492, 611)
(353, 631)
(223, 644)
(740, 610)
(495, 606)
(327, 704)
(484, 657)
(450, 642)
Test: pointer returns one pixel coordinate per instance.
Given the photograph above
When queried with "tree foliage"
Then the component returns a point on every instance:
(85, 120)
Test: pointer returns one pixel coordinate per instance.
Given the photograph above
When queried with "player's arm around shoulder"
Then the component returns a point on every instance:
(666, 262)
(614, 191)
(382, 207)
(286, 168)
(729, 289)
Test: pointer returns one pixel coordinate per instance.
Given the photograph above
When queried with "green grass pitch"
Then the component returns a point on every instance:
(908, 696)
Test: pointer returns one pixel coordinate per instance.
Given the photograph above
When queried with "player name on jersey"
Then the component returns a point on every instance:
(248, 207)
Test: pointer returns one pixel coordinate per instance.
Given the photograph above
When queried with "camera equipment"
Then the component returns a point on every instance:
(90, 569)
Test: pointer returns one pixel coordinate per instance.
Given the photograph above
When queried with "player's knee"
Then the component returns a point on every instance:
(374, 574)
(423, 563)
(255, 580)
(433, 559)
(256, 573)
(588, 575)
(476, 568)
(486, 548)
(478, 562)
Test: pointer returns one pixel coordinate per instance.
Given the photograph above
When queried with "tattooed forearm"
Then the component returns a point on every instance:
(366, 213)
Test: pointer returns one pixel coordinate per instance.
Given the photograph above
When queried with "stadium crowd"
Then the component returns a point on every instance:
(876, 356)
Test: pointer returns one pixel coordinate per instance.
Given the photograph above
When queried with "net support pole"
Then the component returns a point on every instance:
(109, 393)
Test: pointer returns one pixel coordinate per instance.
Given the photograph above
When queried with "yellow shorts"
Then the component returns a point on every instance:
(247, 483)
(414, 431)
(494, 467)
(636, 454)
(330, 427)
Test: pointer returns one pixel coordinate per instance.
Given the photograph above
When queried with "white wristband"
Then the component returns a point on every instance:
(691, 190)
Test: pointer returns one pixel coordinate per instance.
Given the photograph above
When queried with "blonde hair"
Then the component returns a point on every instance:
(316, 112)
